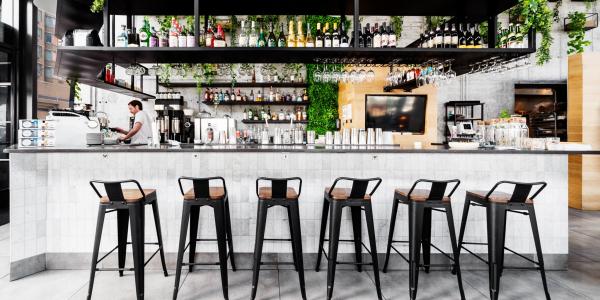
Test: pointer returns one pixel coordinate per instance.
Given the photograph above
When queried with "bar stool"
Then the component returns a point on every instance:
(202, 194)
(335, 199)
(421, 202)
(129, 205)
(497, 205)
(278, 194)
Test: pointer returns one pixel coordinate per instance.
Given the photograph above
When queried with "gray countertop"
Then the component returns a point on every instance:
(285, 148)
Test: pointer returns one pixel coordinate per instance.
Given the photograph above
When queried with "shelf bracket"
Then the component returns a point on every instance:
(197, 22)
(356, 21)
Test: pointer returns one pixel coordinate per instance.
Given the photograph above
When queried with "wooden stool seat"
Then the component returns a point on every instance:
(495, 197)
(215, 193)
(133, 195)
(419, 195)
(265, 193)
(341, 194)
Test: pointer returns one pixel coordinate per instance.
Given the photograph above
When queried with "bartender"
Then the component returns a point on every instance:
(142, 127)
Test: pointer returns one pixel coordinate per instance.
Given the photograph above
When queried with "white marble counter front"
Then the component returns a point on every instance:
(54, 209)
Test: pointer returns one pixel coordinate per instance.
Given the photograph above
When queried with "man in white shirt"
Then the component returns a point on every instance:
(142, 126)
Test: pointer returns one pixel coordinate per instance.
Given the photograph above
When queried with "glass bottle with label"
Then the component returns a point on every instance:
(121, 40)
(262, 41)
(281, 40)
(335, 36)
(145, 34)
(344, 41)
(310, 41)
(243, 36)
(220, 38)
(291, 38)
(319, 36)
(447, 36)
(376, 37)
(391, 37)
(153, 38)
(385, 37)
(174, 33)
(454, 37)
(326, 36)
(271, 40)
(253, 36)
(300, 39)
(133, 38)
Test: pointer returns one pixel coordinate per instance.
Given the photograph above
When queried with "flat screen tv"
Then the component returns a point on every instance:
(398, 113)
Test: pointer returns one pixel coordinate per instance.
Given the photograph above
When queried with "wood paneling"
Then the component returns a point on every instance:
(355, 94)
(584, 126)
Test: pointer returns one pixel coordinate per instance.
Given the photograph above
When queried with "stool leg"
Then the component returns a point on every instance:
(97, 238)
(194, 218)
(229, 235)
(122, 228)
(185, 219)
(456, 255)
(503, 244)
(294, 252)
(372, 240)
(391, 235)
(463, 225)
(415, 224)
(297, 237)
(495, 228)
(261, 221)
(538, 248)
(322, 233)
(221, 226)
(161, 248)
(334, 237)
(426, 239)
(136, 211)
(357, 232)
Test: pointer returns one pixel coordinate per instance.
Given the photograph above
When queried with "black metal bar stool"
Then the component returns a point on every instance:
(497, 205)
(202, 194)
(129, 205)
(421, 203)
(278, 194)
(357, 199)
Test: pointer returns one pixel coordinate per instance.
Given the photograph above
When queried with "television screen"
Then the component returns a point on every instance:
(399, 113)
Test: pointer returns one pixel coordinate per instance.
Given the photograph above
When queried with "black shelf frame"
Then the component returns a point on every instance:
(236, 85)
(116, 88)
(464, 103)
(259, 103)
(273, 122)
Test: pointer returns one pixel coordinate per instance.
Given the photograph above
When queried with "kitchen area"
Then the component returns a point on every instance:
(383, 96)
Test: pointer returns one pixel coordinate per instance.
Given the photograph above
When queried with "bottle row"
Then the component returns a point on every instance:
(448, 36)
(298, 114)
(511, 37)
(212, 95)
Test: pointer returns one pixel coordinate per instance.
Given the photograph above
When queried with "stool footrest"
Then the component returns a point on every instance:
(273, 263)
(353, 263)
(124, 269)
(505, 248)
(278, 240)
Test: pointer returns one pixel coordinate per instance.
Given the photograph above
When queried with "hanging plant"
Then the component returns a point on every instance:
(397, 21)
(76, 89)
(556, 12)
(538, 16)
(165, 73)
(576, 33)
(97, 6)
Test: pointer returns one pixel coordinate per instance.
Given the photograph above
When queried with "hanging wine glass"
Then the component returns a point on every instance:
(450, 74)
(370, 75)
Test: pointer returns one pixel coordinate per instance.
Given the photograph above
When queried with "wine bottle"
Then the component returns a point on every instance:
(376, 37)
(385, 37)
(145, 34)
(462, 37)
(391, 36)
(335, 36)
(310, 41)
(281, 40)
(368, 37)
(319, 37)
(291, 38)
(469, 35)
(271, 41)
(253, 36)
(300, 39)
(438, 41)
(510, 40)
(243, 37)
(454, 37)
(262, 41)
(361, 37)
(343, 36)
(447, 36)
(477, 40)
(431, 40)
(327, 36)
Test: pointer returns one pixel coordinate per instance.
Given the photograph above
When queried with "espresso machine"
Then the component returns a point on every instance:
(169, 119)
(187, 134)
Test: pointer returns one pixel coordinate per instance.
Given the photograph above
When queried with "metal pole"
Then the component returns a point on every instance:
(356, 21)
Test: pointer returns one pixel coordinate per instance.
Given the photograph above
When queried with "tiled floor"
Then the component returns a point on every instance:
(581, 281)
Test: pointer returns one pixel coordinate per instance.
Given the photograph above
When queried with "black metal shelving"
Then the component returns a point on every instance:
(406, 86)
(259, 103)
(236, 85)
(273, 122)
(116, 88)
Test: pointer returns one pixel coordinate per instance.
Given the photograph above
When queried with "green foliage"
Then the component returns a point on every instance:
(397, 21)
(435, 21)
(538, 16)
(576, 33)
(74, 84)
(323, 109)
(97, 6)
(504, 114)
(189, 20)
(164, 22)
(556, 11)
(313, 20)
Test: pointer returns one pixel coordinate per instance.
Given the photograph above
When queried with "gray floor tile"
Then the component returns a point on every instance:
(584, 278)
(349, 285)
(206, 284)
(108, 285)
(45, 285)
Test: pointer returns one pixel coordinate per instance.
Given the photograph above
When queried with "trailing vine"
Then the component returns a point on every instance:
(97, 6)
(76, 89)
(538, 16)
(556, 12)
(323, 109)
(576, 33)
(397, 22)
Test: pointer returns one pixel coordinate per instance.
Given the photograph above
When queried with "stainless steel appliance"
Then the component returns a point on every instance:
(71, 128)
(216, 130)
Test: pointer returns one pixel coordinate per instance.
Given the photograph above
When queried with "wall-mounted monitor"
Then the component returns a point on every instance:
(398, 113)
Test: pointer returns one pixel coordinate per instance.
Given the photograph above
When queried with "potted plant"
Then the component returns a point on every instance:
(576, 32)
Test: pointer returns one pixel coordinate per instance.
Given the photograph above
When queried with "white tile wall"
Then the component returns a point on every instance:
(58, 212)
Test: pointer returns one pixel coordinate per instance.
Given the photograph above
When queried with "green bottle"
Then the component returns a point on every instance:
(262, 41)
(145, 34)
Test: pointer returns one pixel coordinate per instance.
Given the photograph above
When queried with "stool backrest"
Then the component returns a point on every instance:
(359, 186)
(114, 189)
(437, 191)
(201, 185)
(521, 191)
(279, 186)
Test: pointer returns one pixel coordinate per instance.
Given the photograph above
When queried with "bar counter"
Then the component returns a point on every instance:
(53, 207)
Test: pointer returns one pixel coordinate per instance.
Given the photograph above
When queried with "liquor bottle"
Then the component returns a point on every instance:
(251, 96)
(271, 41)
(385, 37)
(277, 95)
(182, 38)
(510, 39)
(326, 36)
(431, 41)
(469, 36)
(210, 36)
(300, 38)
(361, 38)
(281, 41)
(226, 97)
(250, 115)
(462, 36)
(343, 36)
(220, 37)
(145, 34)
(271, 95)
(207, 95)
(122, 37)
(310, 41)
(238, 96)
(304, 95)
(243, 37)
(477, 40)
(133, 38)
(262, 41)
(519, 37)
(376, 37)
(438, 41)
(253, 36)
(174, 33)
(454, 37)
(291, 38)
(319, 37)
(447, 36)
(153, 38)
(423, 41)
(391, 36)
(335, 36)
(368, 37)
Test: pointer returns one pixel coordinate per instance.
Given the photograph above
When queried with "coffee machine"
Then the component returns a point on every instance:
(170, 116)
(187, 134)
